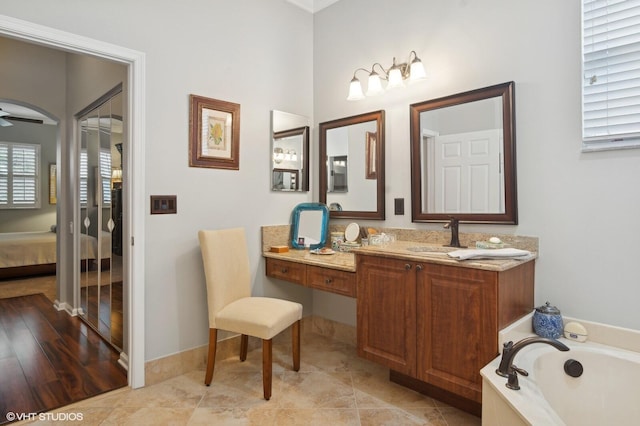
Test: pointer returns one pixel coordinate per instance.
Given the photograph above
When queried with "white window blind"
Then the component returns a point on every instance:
(611, 74)
(19, 175)
(84, 177)
(105, 176)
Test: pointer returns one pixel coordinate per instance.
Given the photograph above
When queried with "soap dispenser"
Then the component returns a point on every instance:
(547, 321)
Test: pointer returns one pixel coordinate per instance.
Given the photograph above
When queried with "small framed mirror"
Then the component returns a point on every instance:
(289, 152)
(309, 225)
(351, 166)
(463, 157)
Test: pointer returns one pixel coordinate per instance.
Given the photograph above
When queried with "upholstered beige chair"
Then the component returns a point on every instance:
(231, 307)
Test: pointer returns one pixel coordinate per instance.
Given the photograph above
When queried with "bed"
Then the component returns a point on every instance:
(34, 253)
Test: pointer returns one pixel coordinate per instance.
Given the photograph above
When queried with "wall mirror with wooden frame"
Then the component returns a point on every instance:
(351, 166)
(463, 157)
(289, 152)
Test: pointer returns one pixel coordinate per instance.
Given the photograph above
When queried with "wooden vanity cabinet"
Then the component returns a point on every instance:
(288, 271)
(317, 277)
(437, 324)
(331, 280)
(457, 330)
(386, 312)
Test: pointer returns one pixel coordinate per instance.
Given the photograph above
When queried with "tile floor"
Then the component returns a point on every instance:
(334, 386)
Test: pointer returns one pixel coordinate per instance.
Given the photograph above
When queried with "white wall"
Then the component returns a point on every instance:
(584, 207)
(269, 55)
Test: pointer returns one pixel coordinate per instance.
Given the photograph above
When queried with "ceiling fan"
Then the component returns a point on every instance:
(6, 116)
(3, 121)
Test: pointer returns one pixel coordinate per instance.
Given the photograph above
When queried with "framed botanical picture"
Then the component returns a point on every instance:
(214, 133)
(53, 172)
(370, 154)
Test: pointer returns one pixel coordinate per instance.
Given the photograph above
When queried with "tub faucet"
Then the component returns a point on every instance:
(509, 351)
(453, 225)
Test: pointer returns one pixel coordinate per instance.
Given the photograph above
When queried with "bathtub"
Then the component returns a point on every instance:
(607, 393)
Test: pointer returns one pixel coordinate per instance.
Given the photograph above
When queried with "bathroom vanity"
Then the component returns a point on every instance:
(431, 319)
(434, 321)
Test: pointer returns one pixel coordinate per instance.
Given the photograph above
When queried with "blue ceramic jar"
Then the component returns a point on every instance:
(547, 321)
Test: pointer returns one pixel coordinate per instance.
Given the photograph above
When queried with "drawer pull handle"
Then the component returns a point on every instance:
(407, 266)
(284, 270)
(328, 281)
(419, 268)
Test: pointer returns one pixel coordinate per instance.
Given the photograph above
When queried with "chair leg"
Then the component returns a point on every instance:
(295, 344)
(267, 362)
(211, 357)
(244, 344)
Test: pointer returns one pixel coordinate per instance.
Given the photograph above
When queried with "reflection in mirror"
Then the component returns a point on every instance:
(463, 157)
(100, 263)
(309, 224)
(338, 174)
(352, 166)
(289, 152)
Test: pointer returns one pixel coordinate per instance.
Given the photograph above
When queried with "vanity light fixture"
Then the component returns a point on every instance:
(278, 155)
(395, 75)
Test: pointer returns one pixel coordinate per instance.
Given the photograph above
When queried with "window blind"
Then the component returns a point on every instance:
(84, 177)
(19, 175)
(105, 175)
(4, 174)
(611, 72)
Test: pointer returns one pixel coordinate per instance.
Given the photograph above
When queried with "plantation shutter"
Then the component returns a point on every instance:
(25, 175)
(611, 72)
(4, 174)
(105, 174)
(84, 177)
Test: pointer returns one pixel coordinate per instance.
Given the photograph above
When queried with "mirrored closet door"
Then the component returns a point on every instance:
(100, 186)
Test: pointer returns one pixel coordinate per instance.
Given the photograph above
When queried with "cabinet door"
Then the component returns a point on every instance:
(386, 310)
(456, 327)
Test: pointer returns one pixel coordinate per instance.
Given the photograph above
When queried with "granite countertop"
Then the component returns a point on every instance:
(438, 254)
(339, 260)
(398, 250)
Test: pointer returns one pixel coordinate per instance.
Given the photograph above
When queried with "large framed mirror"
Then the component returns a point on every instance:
(463, 157)
(351, 166)
(289, 152)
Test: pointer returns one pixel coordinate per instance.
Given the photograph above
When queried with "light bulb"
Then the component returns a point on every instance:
(375, 85)
(355, 90)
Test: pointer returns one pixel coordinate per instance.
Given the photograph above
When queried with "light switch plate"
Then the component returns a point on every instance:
(398, 206)
(164, 204)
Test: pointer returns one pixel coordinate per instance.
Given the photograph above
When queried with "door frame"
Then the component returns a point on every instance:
(135, 61)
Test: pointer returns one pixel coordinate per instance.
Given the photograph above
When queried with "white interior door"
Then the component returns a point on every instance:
(468, 172)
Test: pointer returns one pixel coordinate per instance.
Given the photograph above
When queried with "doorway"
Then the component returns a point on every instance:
(133, 199)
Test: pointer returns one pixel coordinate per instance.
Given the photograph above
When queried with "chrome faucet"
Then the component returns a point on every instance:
(509, 351)
(453, 224)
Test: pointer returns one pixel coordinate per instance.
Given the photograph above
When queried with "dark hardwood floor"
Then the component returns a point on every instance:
(49, 359)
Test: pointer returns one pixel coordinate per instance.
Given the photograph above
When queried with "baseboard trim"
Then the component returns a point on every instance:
(64, 306)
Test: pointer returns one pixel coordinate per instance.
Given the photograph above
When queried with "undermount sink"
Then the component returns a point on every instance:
(431, 249)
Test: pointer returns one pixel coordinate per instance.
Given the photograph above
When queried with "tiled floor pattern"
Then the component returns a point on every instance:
(333, 387)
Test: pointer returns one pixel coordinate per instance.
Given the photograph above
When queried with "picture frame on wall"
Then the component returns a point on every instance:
(53, 188)
(214, 133)
(370, 154)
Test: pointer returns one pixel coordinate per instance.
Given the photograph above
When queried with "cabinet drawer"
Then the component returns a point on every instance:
(332, 280)
(288, 271)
